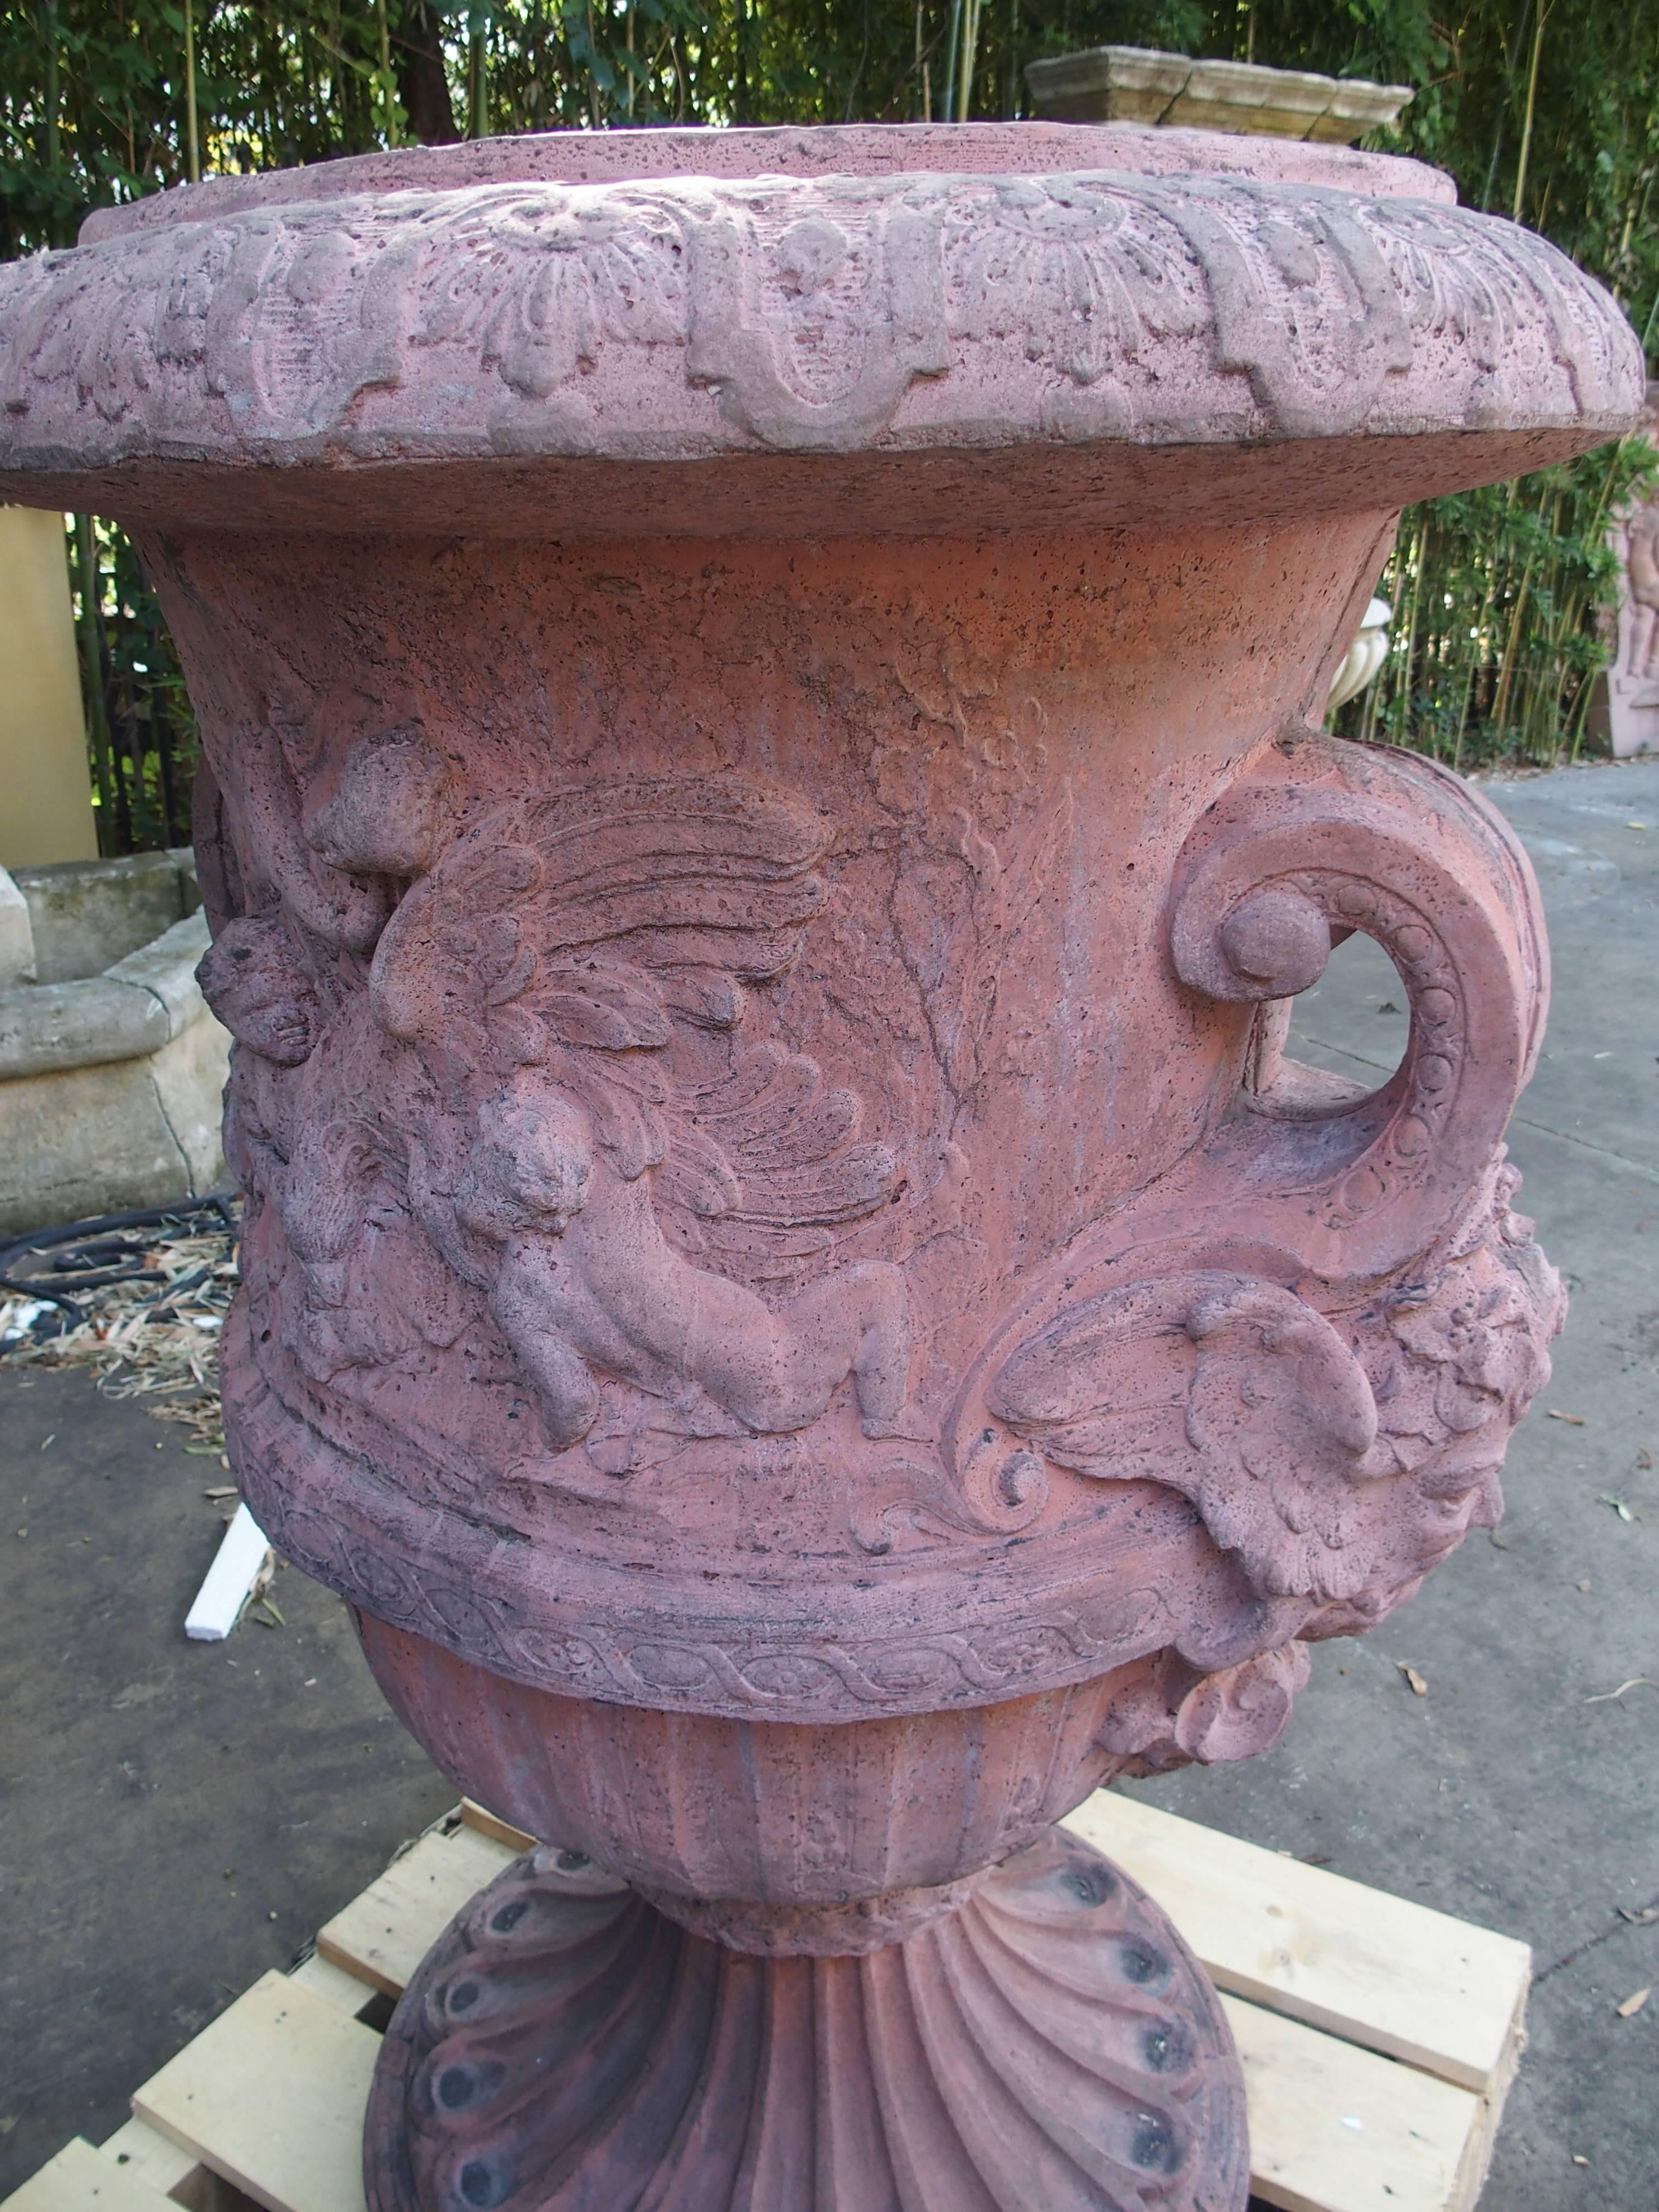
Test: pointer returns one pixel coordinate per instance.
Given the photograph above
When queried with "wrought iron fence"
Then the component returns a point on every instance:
(141, 732)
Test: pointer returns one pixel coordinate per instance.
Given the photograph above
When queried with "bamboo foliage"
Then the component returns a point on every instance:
(1502, 603)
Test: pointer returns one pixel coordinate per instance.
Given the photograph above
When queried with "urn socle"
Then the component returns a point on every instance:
(762, 809)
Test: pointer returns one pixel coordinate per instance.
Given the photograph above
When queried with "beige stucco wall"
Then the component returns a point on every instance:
(46, 794)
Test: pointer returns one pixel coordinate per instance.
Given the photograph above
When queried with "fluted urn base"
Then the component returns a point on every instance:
(1050, 2046)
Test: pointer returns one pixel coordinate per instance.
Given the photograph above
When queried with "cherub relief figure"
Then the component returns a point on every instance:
(255, 980)
(542, 1138)
(572, 1154)
(587, 1281)
(387, 813)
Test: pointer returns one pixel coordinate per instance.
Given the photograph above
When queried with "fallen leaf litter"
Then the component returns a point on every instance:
(141, 1303)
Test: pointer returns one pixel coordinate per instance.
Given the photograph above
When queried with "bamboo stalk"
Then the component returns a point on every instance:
(1419, 555)
(192, 141)
(1473, 646)
(970, 43)
(1580, 714)
(388, 99)
(1500, 705)
(53, 92)
(477, 73)
(1532, 101)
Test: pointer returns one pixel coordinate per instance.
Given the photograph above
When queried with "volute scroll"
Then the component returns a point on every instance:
(1286, 863)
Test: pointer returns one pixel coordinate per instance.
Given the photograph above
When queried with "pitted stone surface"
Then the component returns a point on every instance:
(761, 810)
(677, 318)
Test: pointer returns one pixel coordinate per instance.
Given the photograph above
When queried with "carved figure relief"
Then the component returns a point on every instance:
(1642, 535)
(587, 1280)
(565, 1173)
(576, 1155)
(557, 1162)
(1238, 1394)
(1166, 1713)
(1633, 676)
(1337, 1462)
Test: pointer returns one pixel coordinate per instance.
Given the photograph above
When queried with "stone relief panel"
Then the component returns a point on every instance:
(1633, 676)
(684, 317)
(670, 1164)
(534, 1126)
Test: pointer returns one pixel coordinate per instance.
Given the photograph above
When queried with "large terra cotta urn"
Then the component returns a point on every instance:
(762, 808)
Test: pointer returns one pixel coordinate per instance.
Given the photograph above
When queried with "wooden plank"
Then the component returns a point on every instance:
(487, 1823)
(1477, 2154)
(1336, 2129)
(271, 2096)
(150, 2157)
(382, 1936)
(269, 2099)
(81, 2179)
(349, 1992)
(1376, 1969)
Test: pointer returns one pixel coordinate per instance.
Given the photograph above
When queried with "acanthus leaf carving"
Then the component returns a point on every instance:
(551, 280)
(1233, 1391)
(1145, 308)
(1166, 1713)
(1485, 285)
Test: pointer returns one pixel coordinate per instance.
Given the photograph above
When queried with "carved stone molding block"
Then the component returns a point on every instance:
(1632, 701)
(762, 812)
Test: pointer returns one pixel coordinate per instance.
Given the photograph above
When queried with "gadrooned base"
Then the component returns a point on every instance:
(1052, 2046)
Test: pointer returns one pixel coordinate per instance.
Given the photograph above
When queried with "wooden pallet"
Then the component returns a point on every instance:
(1378, 2038)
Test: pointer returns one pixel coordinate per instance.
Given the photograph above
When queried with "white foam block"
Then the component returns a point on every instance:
(224, 1593)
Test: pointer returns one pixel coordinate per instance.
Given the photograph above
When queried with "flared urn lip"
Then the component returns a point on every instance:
(850, 329)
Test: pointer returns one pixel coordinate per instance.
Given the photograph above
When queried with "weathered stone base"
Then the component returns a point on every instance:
(82, 1141)
(1051, 2044)
(112, 1067)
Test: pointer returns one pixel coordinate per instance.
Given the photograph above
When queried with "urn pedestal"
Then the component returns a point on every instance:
(761, 807)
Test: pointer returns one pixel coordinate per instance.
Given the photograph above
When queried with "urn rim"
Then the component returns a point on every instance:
(1085, 342)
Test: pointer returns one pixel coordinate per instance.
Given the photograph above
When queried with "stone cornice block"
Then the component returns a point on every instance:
(1141, 84)
(166, 969)
(136, 1006)
(57, 1025)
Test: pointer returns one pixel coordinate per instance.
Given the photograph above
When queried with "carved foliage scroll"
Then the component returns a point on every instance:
(827, 315)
